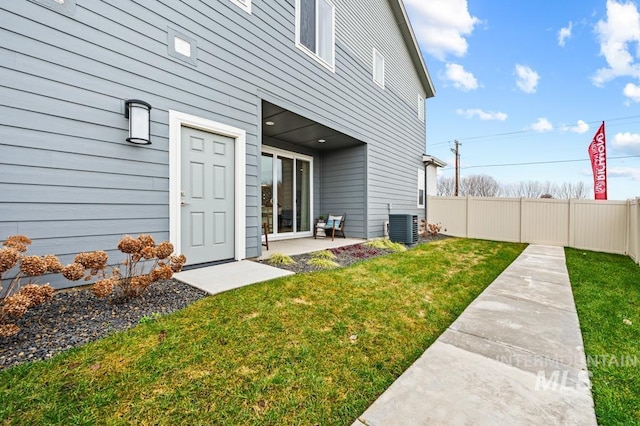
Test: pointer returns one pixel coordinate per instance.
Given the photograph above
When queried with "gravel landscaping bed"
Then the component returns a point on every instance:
(345, 256)
(75, 317)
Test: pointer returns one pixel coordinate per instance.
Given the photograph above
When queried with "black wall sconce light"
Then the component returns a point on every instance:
(139, 115)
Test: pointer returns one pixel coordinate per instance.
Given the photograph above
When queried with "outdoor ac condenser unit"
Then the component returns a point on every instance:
(403, 228)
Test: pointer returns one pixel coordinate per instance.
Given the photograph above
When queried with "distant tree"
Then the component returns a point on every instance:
(572, 190)
(446, 186)
(480, 186)
(527, 189)
(486, 186)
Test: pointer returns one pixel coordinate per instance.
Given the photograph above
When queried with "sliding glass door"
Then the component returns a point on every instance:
(286, 192)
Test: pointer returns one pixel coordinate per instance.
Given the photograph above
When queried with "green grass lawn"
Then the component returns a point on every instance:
(306, 349)
(606, 289)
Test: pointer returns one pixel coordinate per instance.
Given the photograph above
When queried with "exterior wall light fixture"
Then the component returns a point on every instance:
(139, 114)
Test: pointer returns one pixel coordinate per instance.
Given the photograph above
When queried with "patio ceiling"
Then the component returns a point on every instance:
(296, 129)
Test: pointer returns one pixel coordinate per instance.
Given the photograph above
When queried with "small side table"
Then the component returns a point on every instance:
(315, 227)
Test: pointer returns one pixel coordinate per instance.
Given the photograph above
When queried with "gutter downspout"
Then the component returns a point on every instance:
(426, 164)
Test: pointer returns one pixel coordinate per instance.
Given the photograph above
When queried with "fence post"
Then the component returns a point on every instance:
(522, 203)
(572, 220)
(466, 204)
(637, 230)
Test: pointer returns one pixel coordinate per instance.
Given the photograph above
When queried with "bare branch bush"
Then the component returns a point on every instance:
(19, 297)
(145, 263)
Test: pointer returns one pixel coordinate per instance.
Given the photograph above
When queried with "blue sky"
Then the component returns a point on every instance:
(531, 81)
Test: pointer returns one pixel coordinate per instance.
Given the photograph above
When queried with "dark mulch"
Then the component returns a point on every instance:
(75, 317)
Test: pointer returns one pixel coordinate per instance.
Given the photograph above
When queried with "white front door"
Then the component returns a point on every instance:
(207, 196)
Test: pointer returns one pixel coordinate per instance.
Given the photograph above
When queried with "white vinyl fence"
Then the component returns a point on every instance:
(606, 226)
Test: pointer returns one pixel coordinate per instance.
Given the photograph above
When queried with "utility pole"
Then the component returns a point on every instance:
(456, 151)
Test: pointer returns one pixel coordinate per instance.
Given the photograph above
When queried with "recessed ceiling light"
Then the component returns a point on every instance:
(321, 140)
(269, 123)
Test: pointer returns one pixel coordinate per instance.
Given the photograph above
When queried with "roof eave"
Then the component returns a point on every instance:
(430, 159)
(403, 22)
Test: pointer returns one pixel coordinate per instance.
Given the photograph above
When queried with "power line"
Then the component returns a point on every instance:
(540, 162)
(517, 132)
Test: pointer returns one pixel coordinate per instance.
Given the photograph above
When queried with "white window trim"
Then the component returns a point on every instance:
(421, 186)
(421, 108)
(330, 66)
(277, 152)
(176, 121)
(376, 55)
(244, 5)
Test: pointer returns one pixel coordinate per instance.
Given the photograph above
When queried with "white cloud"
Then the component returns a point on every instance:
(482, 115)
(624, 172)
(615, 35)
(527, 80)
(564, 34)
(629, 142)
(442, 25)
(632, 92)
(460, 78)
(542, 125)
(580, 127)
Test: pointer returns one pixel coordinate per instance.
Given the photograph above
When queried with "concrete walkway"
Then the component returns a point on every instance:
(514, 357)
(227, 276)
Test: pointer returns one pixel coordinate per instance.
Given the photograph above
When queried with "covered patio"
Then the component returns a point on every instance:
(306, 245)
(228, 276)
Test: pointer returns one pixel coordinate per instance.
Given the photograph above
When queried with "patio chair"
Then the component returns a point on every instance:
(333, 225)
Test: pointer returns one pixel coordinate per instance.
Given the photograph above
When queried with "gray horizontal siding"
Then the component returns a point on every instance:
(347, 195)
(36, 211)
(63, 81)
(90, 227)
(367, 25)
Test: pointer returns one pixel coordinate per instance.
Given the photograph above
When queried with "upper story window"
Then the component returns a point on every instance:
(421, 106)
(378, 68)
(315, 30)
(243, 4)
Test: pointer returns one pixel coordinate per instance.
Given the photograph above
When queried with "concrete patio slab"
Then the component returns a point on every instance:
(228, 276)
(514, 357)
(306, 245)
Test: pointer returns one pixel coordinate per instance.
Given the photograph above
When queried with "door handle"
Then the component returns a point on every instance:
(184, 203)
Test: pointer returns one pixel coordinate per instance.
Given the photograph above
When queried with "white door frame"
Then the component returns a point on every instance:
(294, 156)
(176, 121)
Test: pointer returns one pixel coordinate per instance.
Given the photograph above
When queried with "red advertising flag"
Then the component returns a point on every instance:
(598, 156)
